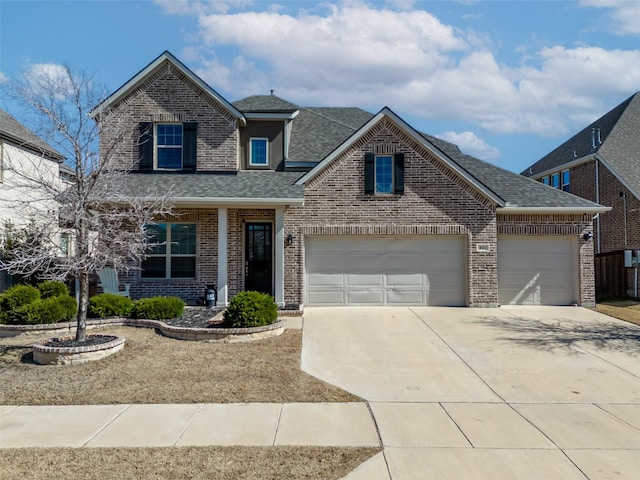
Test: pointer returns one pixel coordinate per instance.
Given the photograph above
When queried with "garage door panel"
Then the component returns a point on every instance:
(365, 297)
(386, 271)
(399, 279)
(357, 280)
(406, 297)
(324, 279)
(536, 270)
(331, 297)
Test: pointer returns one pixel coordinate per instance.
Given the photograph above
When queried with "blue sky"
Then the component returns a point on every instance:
(506, 80)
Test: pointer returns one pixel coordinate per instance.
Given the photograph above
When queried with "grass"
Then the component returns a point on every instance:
(156, 369)
(623, 309)
(220, 463)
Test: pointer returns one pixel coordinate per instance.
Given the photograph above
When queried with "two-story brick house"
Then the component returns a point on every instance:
(336, 206)
(602, 163)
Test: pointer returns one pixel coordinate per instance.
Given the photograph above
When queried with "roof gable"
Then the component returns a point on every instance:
(16, 132)
(613, 139)
(159, 62)
(419, 138)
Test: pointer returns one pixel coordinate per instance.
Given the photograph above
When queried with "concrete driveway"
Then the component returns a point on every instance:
(509, 393)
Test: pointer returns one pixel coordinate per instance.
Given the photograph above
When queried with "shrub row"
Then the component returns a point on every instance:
(154, 308)
(49, 302)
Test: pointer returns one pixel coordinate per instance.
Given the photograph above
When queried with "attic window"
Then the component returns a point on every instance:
(384, 174)
(259, 152)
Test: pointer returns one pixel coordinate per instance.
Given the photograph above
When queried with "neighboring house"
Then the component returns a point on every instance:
(602, 163)
(336, 206)
(27, 166)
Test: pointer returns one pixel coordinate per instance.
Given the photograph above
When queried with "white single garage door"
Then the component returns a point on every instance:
(385, 271)
(537, 270)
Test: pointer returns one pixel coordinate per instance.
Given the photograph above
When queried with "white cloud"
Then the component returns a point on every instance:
(358, 55)
(3, 78)
(183, 7)
(623, 13)
(50, 78)
(471, 144)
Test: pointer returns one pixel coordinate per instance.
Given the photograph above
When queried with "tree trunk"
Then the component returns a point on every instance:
(83, 304)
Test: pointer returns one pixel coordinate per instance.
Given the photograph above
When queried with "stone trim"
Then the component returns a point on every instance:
(331, 230)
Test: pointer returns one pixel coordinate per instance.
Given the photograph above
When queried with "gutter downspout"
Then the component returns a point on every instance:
(598, 202)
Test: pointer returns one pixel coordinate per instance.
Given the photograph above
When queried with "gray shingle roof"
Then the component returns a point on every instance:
(317, 131)
(13, 130)
(265, 103)
(620, 147)
(239, 185)
(514, 189)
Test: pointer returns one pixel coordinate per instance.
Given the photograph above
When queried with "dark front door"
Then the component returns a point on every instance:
(258, 263)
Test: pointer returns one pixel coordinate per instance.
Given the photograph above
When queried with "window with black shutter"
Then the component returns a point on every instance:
(383, 174)
(168, 146)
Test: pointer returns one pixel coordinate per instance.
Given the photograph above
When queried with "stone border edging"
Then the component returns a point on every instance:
(229, 335)
(47, 355)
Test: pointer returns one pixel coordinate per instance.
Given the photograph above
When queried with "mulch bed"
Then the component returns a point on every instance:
(196, 317)
(89, 341)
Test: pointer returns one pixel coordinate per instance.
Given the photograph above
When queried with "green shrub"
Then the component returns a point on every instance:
(49, 310)
(251, 309)
(158, 308)
(109, 305)
(18, 296)
(51, 288)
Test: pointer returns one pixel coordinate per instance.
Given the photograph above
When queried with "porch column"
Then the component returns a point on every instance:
(222, 258)
(279, 260)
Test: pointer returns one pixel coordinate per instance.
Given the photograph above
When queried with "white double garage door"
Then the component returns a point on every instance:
(432, 270)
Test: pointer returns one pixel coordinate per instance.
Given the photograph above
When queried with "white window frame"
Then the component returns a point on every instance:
(251, 162)
(557, 177)
(546, 180)
(168, 255)
(375, 175)
(158, 146)
(562, 184)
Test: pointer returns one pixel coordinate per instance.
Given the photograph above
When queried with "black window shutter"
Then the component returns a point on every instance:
(369, 173)
(398, 174)
(189, 146)
(145, 161)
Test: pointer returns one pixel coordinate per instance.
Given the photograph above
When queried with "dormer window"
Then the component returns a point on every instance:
(259, 152)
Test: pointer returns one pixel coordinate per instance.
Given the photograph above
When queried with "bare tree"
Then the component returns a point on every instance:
(107, 225)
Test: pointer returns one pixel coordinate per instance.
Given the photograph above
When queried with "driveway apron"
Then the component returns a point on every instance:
(508, 393)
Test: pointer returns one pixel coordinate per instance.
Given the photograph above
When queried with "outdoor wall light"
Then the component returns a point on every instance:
(587, 236)
(289, 239)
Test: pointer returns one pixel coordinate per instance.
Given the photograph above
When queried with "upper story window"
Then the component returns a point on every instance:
(560, 180)
(167, 146)
(259, 152)
(384, 174)
(565, 181)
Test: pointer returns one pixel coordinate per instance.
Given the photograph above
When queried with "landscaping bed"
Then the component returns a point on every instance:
(156, 369)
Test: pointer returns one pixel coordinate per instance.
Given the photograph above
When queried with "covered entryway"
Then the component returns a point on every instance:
(537, 270)
(427, 270)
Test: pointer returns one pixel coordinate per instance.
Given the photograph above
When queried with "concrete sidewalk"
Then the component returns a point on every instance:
(253, 424)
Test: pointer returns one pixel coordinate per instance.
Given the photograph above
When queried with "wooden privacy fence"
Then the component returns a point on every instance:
(610, 275)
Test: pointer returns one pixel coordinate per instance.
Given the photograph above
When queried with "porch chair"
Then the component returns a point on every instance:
(109, 282)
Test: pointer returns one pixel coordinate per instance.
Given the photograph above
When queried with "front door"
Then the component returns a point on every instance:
(258, 264)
